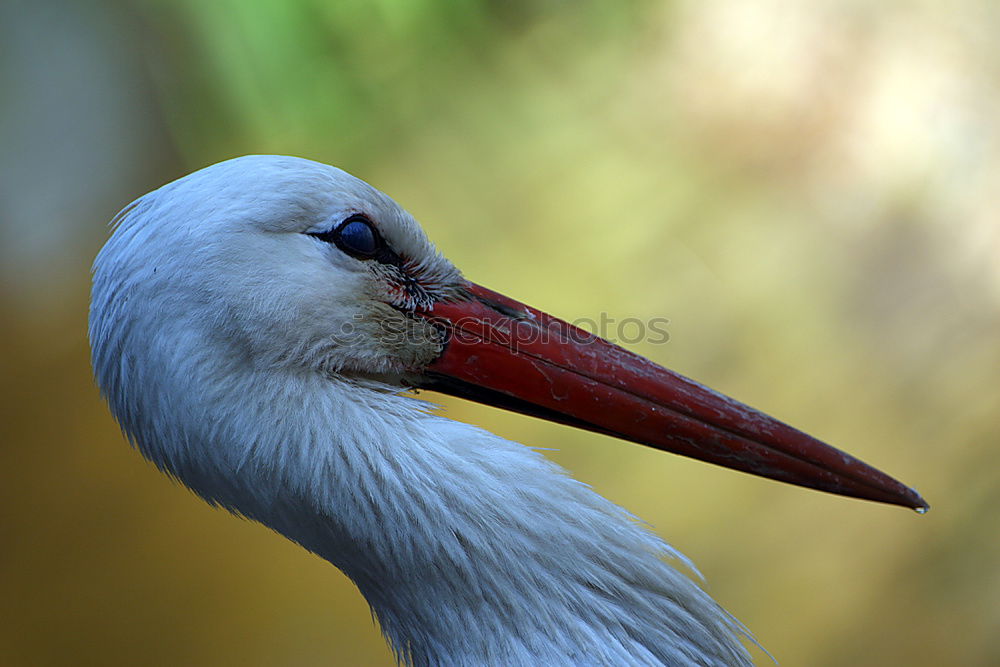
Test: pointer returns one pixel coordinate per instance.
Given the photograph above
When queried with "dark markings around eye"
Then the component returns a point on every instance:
(357, 237)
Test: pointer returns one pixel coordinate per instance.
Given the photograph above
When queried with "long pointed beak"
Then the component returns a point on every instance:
(504, 353)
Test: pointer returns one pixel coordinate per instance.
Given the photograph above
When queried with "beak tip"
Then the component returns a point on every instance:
(907, 496)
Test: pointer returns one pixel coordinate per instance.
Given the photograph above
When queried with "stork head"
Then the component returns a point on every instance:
(283, 262)
(286, 264)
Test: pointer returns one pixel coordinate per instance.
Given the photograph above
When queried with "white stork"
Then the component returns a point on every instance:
(254, 327)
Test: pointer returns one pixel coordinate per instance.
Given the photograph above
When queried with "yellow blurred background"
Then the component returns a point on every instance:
(807, 190)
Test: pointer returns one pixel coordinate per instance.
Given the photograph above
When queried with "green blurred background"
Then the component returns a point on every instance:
(808, 190)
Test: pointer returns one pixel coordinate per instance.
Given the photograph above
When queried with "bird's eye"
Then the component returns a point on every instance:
(356, 236)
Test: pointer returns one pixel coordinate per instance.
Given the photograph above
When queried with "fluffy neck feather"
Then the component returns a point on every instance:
(470, 549)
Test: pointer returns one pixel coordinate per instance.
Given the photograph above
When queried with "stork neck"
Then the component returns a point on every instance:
(468, 547)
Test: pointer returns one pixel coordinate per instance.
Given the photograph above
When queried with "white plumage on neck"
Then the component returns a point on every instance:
(470, 549)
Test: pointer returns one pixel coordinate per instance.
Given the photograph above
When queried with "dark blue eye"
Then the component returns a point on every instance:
(357, 238)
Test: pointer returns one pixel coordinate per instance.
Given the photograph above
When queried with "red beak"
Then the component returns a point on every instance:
(503, 353)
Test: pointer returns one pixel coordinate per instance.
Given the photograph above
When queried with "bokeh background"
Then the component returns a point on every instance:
(807, 190)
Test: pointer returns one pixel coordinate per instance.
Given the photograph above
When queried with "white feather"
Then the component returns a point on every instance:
(218, 338)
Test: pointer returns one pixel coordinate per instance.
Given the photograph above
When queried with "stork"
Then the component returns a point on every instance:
(255, 328)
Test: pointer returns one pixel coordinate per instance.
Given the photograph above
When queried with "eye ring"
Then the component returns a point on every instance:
(357, 237)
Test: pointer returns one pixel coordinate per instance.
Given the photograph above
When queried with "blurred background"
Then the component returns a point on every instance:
(807, 190)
